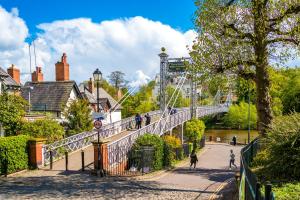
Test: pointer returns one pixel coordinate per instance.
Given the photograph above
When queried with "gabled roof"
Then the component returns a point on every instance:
(49, 96)
(7, 79)
(92, 98)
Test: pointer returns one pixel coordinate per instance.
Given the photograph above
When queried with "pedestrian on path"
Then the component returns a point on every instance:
(234, 140)
(194, 159)
(232, 159)
(148, 119)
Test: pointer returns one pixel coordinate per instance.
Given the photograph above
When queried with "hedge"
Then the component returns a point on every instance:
(13, 149)
(157, 143)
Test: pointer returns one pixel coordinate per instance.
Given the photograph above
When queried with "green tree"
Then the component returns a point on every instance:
(194, 130)
(237, 116)
(177, 100)
(117, 79)
(12, 109)
(44, 128)
(241, 36)
(78, 116)
(291, 95)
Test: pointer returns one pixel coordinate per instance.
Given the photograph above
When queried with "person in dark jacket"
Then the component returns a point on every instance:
(234, 140)
(148, 119)
(139, 121)
(194, 159)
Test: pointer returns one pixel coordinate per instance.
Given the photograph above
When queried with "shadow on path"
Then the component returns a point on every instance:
(77, 185)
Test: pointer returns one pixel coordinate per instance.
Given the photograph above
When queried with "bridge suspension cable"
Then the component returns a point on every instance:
(182, 79)
(169, 113)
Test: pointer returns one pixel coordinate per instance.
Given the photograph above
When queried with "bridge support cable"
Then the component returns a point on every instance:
(168, 115)
(122, 100)
(182, 79)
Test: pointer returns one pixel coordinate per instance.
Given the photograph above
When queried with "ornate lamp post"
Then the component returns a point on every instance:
(97, 77)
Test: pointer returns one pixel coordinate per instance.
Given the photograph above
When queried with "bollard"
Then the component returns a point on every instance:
(257, 191)
(51, 160)
(268, 190)
(6, 164)
(67, 162)
(82, 160)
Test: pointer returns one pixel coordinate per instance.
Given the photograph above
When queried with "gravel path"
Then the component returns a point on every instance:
(181, 183)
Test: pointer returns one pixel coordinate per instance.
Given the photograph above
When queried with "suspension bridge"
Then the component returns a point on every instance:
(121, 136)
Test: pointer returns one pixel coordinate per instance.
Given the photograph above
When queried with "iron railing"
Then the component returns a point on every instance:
(250, 189)
(84, 139)
(159, 127)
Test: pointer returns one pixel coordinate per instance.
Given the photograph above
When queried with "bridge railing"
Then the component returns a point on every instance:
(160, 127)
(250, 188)
(84, 139)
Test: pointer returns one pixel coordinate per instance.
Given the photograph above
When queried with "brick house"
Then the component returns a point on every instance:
(51, 96)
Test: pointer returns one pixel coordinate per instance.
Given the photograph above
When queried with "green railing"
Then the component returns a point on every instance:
(250, 188)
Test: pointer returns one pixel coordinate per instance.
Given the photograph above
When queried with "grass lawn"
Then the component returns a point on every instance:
(289, 191)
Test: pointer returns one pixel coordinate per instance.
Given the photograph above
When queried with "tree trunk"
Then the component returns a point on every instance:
(263, 104)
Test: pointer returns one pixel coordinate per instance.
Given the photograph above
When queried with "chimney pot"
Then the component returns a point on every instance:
(14, 73)
(62, 69)
(37, 75)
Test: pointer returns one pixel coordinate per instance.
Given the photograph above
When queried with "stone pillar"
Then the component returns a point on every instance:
(103, 154)
(36, 152)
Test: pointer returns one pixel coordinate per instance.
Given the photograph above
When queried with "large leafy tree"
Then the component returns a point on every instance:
(117, 79)
(242, 37)
(12, 109)
(78, 116)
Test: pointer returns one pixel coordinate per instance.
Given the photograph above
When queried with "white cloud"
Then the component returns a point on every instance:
(140, 79)
(130, 45)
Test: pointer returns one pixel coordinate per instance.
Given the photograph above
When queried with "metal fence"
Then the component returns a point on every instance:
(84, 139)
(133, 162)
(250, 188)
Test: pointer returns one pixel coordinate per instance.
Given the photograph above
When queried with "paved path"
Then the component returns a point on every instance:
(179, 184)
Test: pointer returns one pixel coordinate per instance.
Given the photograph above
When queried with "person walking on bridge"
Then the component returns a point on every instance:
(148, 119)
(138, 119)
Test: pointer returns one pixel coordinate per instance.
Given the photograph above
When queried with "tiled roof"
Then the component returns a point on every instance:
(50, 96)
(102, 95)
(7, 79)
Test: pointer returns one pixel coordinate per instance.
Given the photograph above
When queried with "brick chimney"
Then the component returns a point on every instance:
(62, 69)
(14, 73)
(37, 75)
(91, 86)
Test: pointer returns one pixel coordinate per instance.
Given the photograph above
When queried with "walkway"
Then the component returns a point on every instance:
(181, 183)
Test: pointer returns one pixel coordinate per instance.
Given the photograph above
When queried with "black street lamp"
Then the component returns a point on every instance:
(97, 77)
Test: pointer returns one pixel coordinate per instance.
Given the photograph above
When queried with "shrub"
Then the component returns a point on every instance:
(171, 145)
(44, 128)
(288, 191)
(78, 115)
(13, 149)
(280, 158)
(154, 141)
(12, 109)
(194, 130)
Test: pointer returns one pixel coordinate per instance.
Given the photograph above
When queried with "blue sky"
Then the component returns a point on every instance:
(109, 35)
(176, 13)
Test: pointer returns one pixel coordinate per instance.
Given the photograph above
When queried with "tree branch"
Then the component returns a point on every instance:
(288, 40)
(240, 34)
(294, 9)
